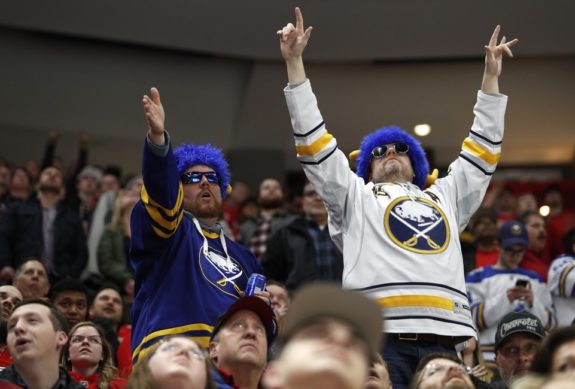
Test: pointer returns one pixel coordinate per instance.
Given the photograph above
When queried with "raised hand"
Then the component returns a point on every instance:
(494, 60)
(494, 52)
(293, 40)
(155, 116)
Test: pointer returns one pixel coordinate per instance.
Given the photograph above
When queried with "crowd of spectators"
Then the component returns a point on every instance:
(85, 252)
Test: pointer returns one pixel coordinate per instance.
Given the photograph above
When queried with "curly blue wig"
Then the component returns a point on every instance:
(190, 155)
(387, 135)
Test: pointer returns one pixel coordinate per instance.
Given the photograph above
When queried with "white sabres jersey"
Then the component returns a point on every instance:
(561, 283)
(487, 288)
(401, 244)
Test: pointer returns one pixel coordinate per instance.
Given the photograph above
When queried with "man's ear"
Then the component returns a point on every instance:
(61, 339)
(213, 350)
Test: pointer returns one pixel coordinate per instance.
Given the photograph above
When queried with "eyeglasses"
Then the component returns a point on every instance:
(514, 251)
(432, 368)
(175, 347)
(77, 339)
(381, 151)
(515, 351)
(196, 177)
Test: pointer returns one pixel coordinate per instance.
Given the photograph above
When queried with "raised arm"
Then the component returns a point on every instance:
(494, 60)
(155, 116)
(293, 41)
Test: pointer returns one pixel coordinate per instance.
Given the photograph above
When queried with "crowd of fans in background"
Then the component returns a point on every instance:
(88, 275)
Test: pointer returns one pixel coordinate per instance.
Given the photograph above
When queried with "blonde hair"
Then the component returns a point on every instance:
(141, 377)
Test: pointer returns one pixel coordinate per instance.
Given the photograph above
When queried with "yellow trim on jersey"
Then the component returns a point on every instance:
(470, 146)
(562, 291)
(316, 146)
(480, 320)
(211, 235)
(416, 301)
(171, 331)
(147, 200)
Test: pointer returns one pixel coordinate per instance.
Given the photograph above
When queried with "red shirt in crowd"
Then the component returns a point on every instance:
(486, 258)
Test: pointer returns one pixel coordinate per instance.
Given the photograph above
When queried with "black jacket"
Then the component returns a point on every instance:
(64, 381)
(21, 238)
(290, 256)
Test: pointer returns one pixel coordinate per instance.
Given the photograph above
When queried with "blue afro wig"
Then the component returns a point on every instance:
(190, 155)
(387, 135)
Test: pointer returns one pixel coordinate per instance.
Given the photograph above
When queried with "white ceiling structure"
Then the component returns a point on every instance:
(83, 66)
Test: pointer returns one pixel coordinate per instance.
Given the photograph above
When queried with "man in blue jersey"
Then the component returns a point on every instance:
(187, 272)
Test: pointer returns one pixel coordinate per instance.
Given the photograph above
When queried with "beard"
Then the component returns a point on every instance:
(205, 209)
(48, 188)
(271, 203)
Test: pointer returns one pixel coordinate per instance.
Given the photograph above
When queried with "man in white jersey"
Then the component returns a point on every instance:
(400, 243)
(561, 281)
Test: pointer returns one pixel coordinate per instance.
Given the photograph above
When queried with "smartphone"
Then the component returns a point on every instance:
(523, 283)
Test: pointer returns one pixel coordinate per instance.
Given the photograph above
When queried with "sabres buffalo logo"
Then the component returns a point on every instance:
(417, 225)
(222, 272)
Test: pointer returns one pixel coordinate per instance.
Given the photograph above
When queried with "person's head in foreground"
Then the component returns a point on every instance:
(556, 354)
(174, 362)
(329, 338)
(517, 339)
(36, 336)
(441, 371)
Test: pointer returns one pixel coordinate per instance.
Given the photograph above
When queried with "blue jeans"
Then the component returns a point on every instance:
(402, 358)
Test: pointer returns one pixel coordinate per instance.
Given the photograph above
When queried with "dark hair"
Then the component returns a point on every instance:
(113, 170)
(553, 188)
(568, 241)
(106, 367)
(107, 285)
(59, 322)
(483, 212)
(141, 377)
(65, 285)
(524, 217)
(423, 362)
(543, 359)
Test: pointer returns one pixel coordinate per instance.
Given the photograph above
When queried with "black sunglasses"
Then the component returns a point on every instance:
(381, 151)
(196, 177)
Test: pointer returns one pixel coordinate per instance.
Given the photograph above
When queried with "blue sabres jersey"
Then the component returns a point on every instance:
(182, 284)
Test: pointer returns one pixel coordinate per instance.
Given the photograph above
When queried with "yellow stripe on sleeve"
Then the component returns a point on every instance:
(316, 146)
(470, 146)
(172, 212)
(562, 291)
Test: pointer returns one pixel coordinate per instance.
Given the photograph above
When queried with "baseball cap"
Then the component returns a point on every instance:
(518, 322)
(512, 233)
(257, 306)
(318, 300)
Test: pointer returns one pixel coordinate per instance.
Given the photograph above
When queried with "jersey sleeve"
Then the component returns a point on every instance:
(469, 175)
